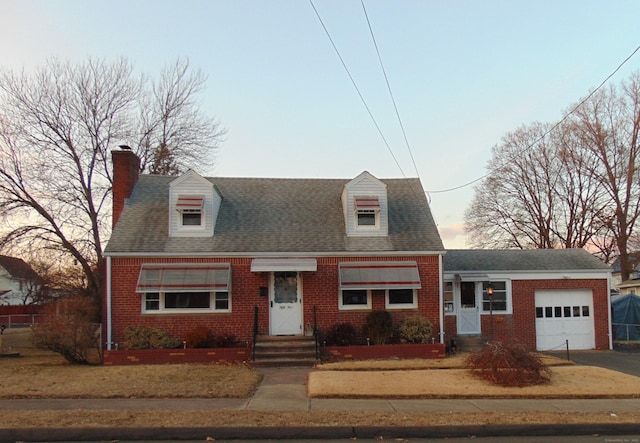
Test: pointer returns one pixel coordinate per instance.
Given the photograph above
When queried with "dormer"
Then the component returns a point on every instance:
(365, 207)
(194, 203)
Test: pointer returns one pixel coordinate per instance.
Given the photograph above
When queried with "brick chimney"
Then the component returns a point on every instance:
(126, 169)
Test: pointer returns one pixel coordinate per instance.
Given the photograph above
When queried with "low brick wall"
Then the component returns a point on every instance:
(240, 355)
(177, 356)
(340, 353)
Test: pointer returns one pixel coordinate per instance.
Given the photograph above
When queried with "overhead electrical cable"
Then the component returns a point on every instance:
(386, 79)
(536, 141)
(364, 102)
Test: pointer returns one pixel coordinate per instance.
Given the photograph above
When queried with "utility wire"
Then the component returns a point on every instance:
(386, 79)
(364, 102)
(536, 141)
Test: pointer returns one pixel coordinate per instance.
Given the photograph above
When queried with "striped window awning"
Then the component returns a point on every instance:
(367, 204)
(379, 275)
(196, 277)
(189, 203)
(284, 264)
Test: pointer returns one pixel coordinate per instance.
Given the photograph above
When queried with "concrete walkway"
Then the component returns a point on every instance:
(285, 390)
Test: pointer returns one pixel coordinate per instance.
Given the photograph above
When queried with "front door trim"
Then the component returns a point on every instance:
(285, 303)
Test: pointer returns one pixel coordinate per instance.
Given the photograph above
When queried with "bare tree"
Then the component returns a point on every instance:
(608, 126)
(571, 185)
(57, 128)
(515, 207)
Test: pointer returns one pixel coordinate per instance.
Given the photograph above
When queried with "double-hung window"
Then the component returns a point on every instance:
(498, 302)
(184, 288)
(367, 212)
(190, 209)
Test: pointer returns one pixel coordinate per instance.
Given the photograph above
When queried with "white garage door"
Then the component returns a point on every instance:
(564, 315)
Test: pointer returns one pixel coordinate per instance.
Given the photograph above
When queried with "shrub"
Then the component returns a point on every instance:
(69, 328)
(226, 341)
(415, 329)
(508, 365)
(200, 337)
(378, 327)
(143, 337)
(342, 334)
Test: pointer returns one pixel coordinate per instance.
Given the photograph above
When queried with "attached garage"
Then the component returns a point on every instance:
(564, 315)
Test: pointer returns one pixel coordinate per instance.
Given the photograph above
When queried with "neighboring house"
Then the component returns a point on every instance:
(19, 283)
(634, 263)
(190, 251)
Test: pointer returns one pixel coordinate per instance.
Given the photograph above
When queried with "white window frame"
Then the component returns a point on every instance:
(507, 292)
(187, 227)
(396, 306)
(163, 310)
(343, 307)
(449, 306)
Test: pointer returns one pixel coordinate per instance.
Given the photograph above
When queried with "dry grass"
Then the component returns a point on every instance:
(40, 374)
(566, 382)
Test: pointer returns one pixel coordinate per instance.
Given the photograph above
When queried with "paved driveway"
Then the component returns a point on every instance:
(621, 361)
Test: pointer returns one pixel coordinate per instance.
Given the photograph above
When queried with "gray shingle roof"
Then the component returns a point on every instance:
(268, 215)
(461, 260)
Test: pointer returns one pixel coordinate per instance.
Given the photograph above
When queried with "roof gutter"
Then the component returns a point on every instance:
(249, 254)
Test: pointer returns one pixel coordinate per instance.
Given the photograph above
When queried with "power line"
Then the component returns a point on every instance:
(386, 79)
(353, 82)
(536, 141)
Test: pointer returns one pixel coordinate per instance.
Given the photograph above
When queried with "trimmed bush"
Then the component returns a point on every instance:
(416, 330)
(378, 327)
(508, 365)
(226, 341)
(143, 337)
(200, 337)
(342, 334)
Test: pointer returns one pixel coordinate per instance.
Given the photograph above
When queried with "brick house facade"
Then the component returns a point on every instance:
(190, 252)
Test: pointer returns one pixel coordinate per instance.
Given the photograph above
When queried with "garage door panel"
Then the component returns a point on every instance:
(564, 315)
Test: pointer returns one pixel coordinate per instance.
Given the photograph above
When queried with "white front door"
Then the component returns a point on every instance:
(286, 303)
(469, 313)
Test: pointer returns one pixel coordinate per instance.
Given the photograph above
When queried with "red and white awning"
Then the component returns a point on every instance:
(189, 203)
(189, 277)
(379, 275)
(367, 203)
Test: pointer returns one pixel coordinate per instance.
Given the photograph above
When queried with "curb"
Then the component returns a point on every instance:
(316, 433)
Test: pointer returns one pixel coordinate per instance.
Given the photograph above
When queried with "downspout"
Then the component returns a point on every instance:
(610, 330)
(441, 298)
(108, 303)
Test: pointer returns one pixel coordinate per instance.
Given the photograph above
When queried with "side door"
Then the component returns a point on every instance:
(469, 312)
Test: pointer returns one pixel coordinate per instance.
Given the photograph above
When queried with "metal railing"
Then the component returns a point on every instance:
(316, 332)
(255, 332)
(18, 320)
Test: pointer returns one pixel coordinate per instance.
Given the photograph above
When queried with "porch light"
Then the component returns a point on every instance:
(490, 294)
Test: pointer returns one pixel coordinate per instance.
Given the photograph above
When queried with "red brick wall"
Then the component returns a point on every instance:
(126, 167)
(521, 324)
(177, 356)
(340, 353)
(320, 289)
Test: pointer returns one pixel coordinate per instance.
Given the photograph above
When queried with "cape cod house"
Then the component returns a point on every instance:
(283, 255)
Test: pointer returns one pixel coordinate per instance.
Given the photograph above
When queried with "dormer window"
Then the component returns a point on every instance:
(367, 211)
(190, 208)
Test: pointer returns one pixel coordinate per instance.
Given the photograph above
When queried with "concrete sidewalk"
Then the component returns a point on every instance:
(285, 390)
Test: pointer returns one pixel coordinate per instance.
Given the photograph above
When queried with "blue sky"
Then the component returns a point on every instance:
(463, 74)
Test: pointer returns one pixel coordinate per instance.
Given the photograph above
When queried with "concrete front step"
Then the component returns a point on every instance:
(287, 351)
(470, 343)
